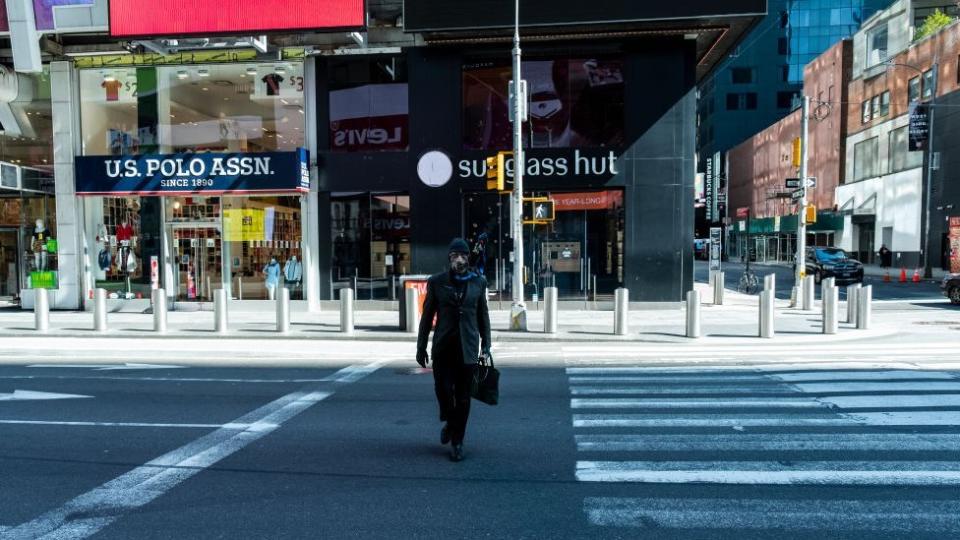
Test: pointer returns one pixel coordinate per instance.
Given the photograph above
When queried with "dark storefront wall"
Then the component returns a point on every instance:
(946, 187)
(654, 166)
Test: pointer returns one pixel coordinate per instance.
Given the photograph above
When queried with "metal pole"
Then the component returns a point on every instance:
(41, 309)
(864, 302)
(830, 294)
(800, 256)
(766, 314)
(770, 282)
(621, 312)
(927, 270)
(809, 290)
(518, 311)
(100, 310)
(220, 311)
(693, 314)
(550, 321)
(239, 288)
(159, 311)
(412, 307)
(346, 311)
(393, 288)
(852, 292)
(594, 288)
(719, 281)
(283, 310)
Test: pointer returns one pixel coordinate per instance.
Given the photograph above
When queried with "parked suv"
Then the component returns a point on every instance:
(826, 262)
(951, 288)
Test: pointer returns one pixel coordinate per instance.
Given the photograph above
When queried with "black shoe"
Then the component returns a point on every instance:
(444, 435)
(456, 454)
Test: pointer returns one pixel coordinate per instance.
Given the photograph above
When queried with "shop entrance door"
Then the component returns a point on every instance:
(198, 261)
(9, 263)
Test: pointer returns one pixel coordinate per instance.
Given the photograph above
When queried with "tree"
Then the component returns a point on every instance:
(933, 24)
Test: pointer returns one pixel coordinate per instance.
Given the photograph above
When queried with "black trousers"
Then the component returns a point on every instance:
(451, 381)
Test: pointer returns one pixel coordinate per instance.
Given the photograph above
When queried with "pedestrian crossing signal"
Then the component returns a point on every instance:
(497, 170)
(538, 211)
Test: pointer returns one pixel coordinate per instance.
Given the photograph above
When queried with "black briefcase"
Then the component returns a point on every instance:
(486, 382)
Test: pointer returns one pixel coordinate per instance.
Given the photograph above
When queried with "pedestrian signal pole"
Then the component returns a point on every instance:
(518, 311)
(800, 257)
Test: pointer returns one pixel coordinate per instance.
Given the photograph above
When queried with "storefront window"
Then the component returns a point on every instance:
(257, 231)
(368, 105)
(371, 242)
(223, 108)
(26, 122)
(572, 103)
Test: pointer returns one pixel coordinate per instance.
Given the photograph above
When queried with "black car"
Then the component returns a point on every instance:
(827, 262)
(951, 288)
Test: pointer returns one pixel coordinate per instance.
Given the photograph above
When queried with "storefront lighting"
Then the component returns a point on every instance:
(109, 78)
(176, 205)
(252, 70)
(182, 74)
(205, 89)
(280, 70)
(203, 72)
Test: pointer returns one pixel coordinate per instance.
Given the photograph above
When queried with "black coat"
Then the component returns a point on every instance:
(470, 317)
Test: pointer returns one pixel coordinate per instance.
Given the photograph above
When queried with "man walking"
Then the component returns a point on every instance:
(458, 299)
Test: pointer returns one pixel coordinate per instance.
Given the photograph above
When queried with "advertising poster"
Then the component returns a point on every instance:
(244, 224)
(955, 245)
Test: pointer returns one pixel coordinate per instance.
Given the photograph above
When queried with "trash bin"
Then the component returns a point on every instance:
(409, 282)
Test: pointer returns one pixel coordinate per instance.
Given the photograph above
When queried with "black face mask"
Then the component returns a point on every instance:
(458, 263)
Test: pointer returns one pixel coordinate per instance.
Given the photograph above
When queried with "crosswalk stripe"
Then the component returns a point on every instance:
(754, 379)
(912, 473)
(898, 401)
(706, 420)
(863, 375)
(913, 442)
(906, 517)
(822, 388)
(633, 390)
(745, 403)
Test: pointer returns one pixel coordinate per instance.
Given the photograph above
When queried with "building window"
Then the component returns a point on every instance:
(927, 84)
(875, 107)
(369, 110)
(743, 75)
(877, 46)
(573, 102)
(885, 104)
(865, 159)
(901, 158)
(913, 90)
(785, 100)
(865, 112)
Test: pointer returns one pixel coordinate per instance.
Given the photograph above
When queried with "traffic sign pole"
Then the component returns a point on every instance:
(800, 257)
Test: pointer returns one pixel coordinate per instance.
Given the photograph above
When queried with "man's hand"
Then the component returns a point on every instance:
(487, 356)
(422, 358)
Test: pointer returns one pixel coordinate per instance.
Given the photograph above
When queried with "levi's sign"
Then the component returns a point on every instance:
(189, 173)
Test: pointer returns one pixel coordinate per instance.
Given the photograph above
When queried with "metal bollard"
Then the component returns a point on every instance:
(770, 282)
(809, 292)
(100, 310)
(719, 282)
(852, 292)
(550, 321)
(346, 311)
(865, 305)
(283, 310)
(767, 314)
(621, 311)
(159, 310)
(693, 314)
(829, 282)
(41, 309)
(830, 300)
(220, 311)
(795, 296)
(412, 310)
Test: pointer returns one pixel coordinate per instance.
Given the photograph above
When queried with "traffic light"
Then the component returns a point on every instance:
(797, 152)
(497, 170)
(810, 215)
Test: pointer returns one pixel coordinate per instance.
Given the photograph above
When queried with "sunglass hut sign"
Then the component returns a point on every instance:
(579, 164)
(207, 173)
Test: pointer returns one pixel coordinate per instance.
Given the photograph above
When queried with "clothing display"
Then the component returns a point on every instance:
(104, 258)
(293, 270)
(124, 232)
(273, 84)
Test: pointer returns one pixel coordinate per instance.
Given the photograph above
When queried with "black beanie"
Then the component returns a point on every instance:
(458, 245)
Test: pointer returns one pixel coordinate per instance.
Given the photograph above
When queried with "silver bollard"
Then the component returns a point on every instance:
(865, 304)
(220, 311)
(41, 309)
(159, 310)
(283, 310)
(100, 310)
(829, 282)
(795, 296)
(830, 300)
(767, 314)
(621, 312)
(412, 310)
(852, 292)
(770, 282)
(719, 282)
(693, 314)
(809, 293)
(550, 322)
(346, 311)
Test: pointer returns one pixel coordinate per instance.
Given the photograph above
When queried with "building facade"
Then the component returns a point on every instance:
(351, 156)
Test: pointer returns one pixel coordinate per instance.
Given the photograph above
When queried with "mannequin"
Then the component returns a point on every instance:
(39, 245)
(293, 272)
(271, 273)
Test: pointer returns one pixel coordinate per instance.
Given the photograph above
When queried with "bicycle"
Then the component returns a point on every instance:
(749, 282)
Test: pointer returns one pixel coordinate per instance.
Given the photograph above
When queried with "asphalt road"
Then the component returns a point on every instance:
(588, 447)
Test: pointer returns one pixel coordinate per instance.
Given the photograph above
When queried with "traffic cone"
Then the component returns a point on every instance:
(916, 276)
(886, 277)
(903, 275)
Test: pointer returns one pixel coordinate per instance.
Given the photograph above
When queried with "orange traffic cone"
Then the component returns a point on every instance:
(916, 276)
(886, 277)
(903, 275)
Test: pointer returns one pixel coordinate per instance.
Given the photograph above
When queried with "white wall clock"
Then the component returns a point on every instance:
(435, 168)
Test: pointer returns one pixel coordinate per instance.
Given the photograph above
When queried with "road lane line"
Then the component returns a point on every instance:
(691, 403)
(682, 390)
(900, 516)
(889, 473)
(144, 484)
(779, 442)
(120, 424)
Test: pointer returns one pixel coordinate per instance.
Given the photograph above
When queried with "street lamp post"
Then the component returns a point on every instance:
(518, 311)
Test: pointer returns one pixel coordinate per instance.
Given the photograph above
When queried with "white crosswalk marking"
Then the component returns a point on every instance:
(854, 425)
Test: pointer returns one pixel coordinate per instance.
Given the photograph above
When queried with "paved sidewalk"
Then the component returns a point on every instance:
(735, 321)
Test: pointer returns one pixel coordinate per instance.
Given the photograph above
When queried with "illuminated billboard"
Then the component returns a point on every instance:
(147, 18)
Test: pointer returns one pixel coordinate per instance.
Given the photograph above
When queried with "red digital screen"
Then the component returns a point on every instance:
(144, 18)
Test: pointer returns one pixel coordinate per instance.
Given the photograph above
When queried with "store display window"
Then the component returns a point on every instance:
(371, 242)
(264, 240)
(369, 109)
